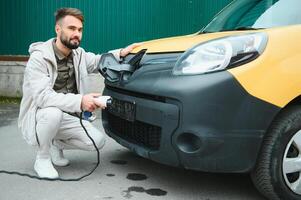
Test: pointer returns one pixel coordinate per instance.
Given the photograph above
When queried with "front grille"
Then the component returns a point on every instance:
(140, 133)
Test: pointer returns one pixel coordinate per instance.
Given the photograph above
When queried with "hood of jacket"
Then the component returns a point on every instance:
(45, 48)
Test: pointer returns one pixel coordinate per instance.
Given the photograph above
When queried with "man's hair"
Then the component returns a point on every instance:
(63, 12)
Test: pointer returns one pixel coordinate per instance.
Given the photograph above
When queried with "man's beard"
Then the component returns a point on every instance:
(68, 42)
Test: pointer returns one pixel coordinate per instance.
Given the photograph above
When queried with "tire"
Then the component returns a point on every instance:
(272, 175)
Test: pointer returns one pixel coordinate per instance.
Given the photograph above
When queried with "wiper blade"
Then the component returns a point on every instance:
(242, 28)
(204, 32)
(246, 28)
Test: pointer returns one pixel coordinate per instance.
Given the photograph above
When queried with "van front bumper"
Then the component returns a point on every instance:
(202, 122)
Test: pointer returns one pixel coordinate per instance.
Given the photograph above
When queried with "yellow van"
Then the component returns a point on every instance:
(226, 99)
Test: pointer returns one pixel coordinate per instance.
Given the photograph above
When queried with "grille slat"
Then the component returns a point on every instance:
(140, 133)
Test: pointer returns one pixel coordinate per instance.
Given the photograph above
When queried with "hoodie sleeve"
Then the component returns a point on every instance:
(40, 86)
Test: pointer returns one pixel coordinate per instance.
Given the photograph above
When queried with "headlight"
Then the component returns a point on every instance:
(221, 53)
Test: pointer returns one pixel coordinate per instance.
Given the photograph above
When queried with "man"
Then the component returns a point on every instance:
(53, 86)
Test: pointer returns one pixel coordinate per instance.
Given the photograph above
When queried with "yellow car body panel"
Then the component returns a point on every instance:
(274, 77)
(178, 44)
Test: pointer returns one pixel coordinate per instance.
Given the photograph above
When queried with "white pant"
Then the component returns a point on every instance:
(66, 132)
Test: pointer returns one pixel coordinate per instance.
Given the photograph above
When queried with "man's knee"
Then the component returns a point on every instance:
(98, 139)
(50, 115)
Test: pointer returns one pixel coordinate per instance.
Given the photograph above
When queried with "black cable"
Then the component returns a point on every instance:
(61, 179)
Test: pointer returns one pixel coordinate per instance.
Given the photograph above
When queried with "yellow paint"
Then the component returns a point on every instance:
(181, 43)
(274, 77)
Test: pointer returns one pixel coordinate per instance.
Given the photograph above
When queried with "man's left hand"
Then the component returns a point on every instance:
(124, 52)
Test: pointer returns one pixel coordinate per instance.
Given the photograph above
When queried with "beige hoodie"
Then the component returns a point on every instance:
(39, 78)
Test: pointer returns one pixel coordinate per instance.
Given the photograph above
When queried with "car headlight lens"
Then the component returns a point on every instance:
(220, 54)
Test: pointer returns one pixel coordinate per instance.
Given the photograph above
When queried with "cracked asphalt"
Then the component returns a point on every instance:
(121, 174)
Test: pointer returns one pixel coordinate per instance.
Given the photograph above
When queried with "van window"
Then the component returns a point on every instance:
(256, 14)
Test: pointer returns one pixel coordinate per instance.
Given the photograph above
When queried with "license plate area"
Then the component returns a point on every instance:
(123, 109)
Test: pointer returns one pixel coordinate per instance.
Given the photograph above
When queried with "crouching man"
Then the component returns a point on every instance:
(53, 87)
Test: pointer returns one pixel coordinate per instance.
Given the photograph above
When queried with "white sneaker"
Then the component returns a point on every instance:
(45, 169)
(57, 157)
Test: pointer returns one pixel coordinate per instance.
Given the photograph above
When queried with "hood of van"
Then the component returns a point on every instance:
(181, 43)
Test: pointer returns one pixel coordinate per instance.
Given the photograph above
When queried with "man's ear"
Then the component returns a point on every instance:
(57, 28)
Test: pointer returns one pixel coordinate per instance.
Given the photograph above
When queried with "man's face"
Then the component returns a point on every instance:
(69, 30)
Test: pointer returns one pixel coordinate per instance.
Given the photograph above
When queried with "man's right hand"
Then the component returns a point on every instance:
(88, 102)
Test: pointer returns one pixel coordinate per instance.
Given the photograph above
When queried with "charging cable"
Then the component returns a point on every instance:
(62, 179)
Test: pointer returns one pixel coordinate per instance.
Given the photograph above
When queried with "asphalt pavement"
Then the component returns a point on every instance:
(121, 174)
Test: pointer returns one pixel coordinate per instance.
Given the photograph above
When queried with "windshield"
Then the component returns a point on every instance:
(256, 14)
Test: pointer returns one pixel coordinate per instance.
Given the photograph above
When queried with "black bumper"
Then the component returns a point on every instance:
(202, 122)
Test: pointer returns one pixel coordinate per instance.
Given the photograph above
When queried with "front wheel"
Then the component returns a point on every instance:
(277, 171)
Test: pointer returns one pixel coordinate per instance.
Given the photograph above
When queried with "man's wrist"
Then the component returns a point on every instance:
(121, 54)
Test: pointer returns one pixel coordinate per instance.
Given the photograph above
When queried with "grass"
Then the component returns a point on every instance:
(10, 100)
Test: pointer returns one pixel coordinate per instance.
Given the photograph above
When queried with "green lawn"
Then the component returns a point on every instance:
(9, 100)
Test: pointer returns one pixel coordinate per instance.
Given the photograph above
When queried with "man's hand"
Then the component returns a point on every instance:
(88, 103)
(124, 52)
(101, 101)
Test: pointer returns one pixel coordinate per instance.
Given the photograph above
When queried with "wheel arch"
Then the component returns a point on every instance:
(282, 127)
(294, 102)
